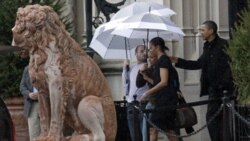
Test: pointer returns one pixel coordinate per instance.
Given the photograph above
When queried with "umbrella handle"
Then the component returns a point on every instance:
(127, 68)
(147, 43)
(126, 49)
(146, 50)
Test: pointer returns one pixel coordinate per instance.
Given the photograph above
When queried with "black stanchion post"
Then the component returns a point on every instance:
(124, 99)
(136, 122)
(123, 133)
(226, 116)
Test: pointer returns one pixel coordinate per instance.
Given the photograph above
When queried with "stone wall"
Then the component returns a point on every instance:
(15, 107)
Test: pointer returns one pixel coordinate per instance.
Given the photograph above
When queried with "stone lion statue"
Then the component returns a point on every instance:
(71, 87)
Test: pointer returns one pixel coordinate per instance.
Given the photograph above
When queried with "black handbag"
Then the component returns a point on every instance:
(186, 116)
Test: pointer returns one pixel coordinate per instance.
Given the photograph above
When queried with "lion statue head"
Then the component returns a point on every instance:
(39, 30)
(37, 26)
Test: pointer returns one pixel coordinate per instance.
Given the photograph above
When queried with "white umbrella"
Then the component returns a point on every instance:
(110, 46)
(113, 24)
(148, 26)
(144, 34)
(142, 7)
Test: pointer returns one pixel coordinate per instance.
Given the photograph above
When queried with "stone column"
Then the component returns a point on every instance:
(113, 72)
(222, 18)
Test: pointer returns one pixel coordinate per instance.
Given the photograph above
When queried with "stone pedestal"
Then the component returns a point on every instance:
(15, 107)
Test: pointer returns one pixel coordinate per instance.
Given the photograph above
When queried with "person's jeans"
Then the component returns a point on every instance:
(132, 129)
(145, 131)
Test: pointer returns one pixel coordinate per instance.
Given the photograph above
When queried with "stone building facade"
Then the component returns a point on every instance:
(190, 14)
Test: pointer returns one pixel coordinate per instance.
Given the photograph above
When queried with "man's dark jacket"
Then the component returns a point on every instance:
(26, 88)
(216, 75)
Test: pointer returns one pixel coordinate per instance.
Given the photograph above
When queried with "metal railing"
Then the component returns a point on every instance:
(237, 125)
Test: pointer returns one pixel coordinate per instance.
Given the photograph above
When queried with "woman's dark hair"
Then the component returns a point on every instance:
(158, 41)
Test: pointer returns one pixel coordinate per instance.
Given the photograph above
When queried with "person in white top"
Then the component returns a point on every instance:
(129, 75)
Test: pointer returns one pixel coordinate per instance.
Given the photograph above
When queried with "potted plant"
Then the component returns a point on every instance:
(239, 52)
(11, 65)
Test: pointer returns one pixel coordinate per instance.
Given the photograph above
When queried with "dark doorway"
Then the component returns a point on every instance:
(234, 8)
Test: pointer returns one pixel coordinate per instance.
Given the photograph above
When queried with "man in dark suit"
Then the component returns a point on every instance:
(216, 76)
(31, 106)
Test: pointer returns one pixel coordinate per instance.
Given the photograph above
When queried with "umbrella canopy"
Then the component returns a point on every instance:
(110, 46)
(142, 7)
(112, 24)
(148, 26)
(144, 34)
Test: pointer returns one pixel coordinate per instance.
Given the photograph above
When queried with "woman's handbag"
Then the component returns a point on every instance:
(186, 116)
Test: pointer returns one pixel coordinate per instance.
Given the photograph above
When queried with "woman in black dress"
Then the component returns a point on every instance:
(163, 92)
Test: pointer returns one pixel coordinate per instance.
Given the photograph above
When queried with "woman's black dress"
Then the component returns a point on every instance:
(166, 96)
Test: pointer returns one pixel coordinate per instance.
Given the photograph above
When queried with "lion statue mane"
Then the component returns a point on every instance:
(72, 88)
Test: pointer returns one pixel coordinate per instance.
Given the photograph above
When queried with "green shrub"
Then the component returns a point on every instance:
(11, 66)
(239, 51)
